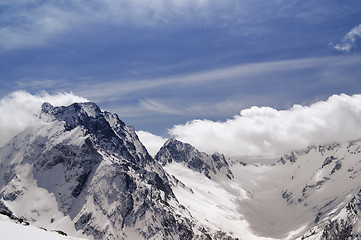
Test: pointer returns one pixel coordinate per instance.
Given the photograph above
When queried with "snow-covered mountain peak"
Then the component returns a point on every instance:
(106, 129)
(90, 108)
(74, 115)
(180, 152)
(85, 172)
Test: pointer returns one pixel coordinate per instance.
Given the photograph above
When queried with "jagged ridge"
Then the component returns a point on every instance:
(95, 177)
(175, 150)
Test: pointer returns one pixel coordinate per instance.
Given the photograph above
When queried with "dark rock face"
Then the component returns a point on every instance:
(174, 150)
(337, 230)
(108, 131)
(342, 228)
(96, 168)
(292, 157)
(328, 160)
(337, 166)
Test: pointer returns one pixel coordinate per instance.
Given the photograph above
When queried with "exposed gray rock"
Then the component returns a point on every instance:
(96, 168)
(174, 150)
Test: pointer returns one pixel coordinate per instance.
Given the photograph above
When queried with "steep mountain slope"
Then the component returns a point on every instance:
(85, 172)
(326, 181)
(304, 193)
(206, 186)
(313, 193)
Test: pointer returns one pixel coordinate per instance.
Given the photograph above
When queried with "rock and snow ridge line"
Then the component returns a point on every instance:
(85, 172)
(312, 191)
(177, 151)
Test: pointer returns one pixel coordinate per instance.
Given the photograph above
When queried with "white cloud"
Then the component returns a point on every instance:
(152, 142)
(257, 132)
(19, 109)
(267, 133)
(28, 25)
(243, 73)
(349, 40)
(189, 94)
(156, 106)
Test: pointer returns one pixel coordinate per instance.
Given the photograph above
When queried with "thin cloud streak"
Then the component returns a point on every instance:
(156, 106)
(27, 24)
(30, 26)
(243, 73)
(349, 40)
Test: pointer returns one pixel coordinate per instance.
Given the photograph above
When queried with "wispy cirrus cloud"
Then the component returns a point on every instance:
(29, 23)
(178, 93)
(156, 106)
(36, 83)
(349, 41)
(243, 72)
(35, 23)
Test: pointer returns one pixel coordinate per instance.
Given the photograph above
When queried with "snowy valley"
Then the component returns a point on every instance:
(82, 171)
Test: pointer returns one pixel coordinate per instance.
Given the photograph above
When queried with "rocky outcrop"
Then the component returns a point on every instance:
(177, 151)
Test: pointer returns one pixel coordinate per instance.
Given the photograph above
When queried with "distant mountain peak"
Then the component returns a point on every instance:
(180, 152)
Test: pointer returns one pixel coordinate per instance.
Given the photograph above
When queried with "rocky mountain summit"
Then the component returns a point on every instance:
(85, 172)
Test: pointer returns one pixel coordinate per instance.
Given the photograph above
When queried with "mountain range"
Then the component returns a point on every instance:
(82, 172)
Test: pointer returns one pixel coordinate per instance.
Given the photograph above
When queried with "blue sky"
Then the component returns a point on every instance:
(159, 63)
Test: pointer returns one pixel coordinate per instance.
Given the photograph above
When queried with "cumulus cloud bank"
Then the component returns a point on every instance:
(268, 133)
(19, 109)
(349, 40)
(258, 132)
(152, 142)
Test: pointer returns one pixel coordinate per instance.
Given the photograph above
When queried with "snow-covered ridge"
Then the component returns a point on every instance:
(315, 183)
(324, 179)
(108, 130)
(307, 194)
(16, 229)
(84, 172)
(177, 151)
